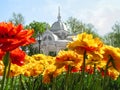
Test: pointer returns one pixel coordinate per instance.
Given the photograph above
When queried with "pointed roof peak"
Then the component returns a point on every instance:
(58, 25)
(59, 16)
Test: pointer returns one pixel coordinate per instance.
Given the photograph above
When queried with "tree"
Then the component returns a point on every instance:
(116, 32)
(17, 19)
(39, 27)
(113, 38)
(75, 26)
(109, 39)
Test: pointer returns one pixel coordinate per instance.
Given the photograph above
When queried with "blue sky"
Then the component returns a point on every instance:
(103, 14)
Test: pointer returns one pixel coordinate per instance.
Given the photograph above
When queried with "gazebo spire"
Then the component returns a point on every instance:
(59, 17)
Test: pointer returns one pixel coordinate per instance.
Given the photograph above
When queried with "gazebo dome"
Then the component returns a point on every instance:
(58, 25)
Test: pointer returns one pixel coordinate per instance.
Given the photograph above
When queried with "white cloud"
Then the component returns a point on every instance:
(101, 13)
(104, 19)
(103, 16)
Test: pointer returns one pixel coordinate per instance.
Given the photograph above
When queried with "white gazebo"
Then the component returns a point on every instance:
(56, 38)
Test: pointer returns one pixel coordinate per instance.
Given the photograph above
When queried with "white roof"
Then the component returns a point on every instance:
(58, 26)
(49, 32)
(62, 41)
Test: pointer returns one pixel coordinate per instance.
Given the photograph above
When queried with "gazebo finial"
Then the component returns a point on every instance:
(59, 17)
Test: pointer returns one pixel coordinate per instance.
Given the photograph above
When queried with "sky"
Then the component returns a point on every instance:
(103, 14)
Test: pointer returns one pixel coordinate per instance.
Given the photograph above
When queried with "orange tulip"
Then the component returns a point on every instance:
(11, 37)
(17, 56)
(86, 42)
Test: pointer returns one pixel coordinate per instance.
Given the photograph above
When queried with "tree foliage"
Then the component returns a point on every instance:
(39, 27)
(17, 19)
(116, 33)
(75, 26)
(109, 38)
(113, 38)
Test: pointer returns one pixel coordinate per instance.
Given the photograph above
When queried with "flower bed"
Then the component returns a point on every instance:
(88, 64)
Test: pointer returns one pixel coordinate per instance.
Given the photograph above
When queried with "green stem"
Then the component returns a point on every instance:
(6, 63)
(20, 83)
(105, 74)
(4, 78)
(8, 78)
(54, 84)
(12, 83)
(83, 72)
(67, 77)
